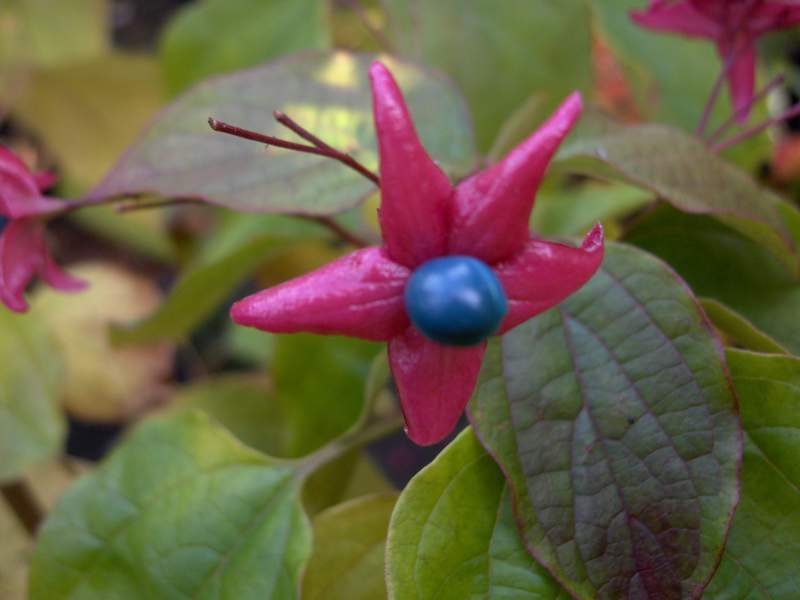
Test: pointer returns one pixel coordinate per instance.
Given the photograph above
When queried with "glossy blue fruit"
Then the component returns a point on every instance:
(455, 300)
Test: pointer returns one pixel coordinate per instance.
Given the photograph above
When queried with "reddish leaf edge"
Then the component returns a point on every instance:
(99, 192)
(720, 348)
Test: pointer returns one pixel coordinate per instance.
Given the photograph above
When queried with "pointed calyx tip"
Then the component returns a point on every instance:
(594, 239)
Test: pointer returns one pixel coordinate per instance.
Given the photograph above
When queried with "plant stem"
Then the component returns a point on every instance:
(349, 441)
(748, 133)
(23, 503)
(269, 140)
(775, 83)
(715, 91)
(342, 232)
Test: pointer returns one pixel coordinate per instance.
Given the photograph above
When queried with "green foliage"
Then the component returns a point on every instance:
(179, 509)
(734, 269)
(760, 559)
(686, 175)
(738, 329)
(108, 99)
(217, 36)
(349, 545)
(223, 264)
(244, 404)
(573, 210)
(453, 535)
(327, 93)
(615, 423)
(320, 382)
(31, 374)
(50, 34)
(499, 53)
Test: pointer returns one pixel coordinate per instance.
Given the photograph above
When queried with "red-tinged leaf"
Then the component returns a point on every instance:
(614, 420)
(328, 94)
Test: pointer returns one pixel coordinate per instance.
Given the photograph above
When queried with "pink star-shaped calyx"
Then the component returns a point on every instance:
(734, 25)
(423, 217)
(23, 247)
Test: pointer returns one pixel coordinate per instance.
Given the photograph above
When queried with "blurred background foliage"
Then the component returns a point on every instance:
(80, 80)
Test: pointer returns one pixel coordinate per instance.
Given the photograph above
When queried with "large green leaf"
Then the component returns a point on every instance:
(180, 509)
(760, 559)
(682, 171)
(720, 263)
(328, 94)
(31, 370)
(453, 536)
(614, 420)
(349, 544)
(499, 53)
(217, 36)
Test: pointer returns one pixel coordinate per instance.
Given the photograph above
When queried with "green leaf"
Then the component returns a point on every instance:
(218, 36)
(223, 264)
(573, 210)
(615, 422)
(320, 385)
(453, 536)
(328, 94)
(688, 176)
(180, 509)
(734, 270)
(738, 329)
(107, 99)
(760, 559)
(32, 425)
(349, 544)
(52, 34)
(244, 404)
(499, 53)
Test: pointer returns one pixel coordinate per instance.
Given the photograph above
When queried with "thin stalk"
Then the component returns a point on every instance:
(342, 232)
(748, 133)
(772, 85)
(344, 157)
(714, 95)
(349, 441)
(269, 140)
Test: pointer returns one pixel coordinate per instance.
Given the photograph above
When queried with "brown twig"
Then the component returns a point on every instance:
(269, 140)
(24, 504)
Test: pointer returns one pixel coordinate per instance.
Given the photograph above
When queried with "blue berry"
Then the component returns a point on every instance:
(455, 300)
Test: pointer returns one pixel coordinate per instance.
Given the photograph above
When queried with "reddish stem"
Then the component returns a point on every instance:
(748, 133)
(319, 148)
(775, 83)
(715, 91)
